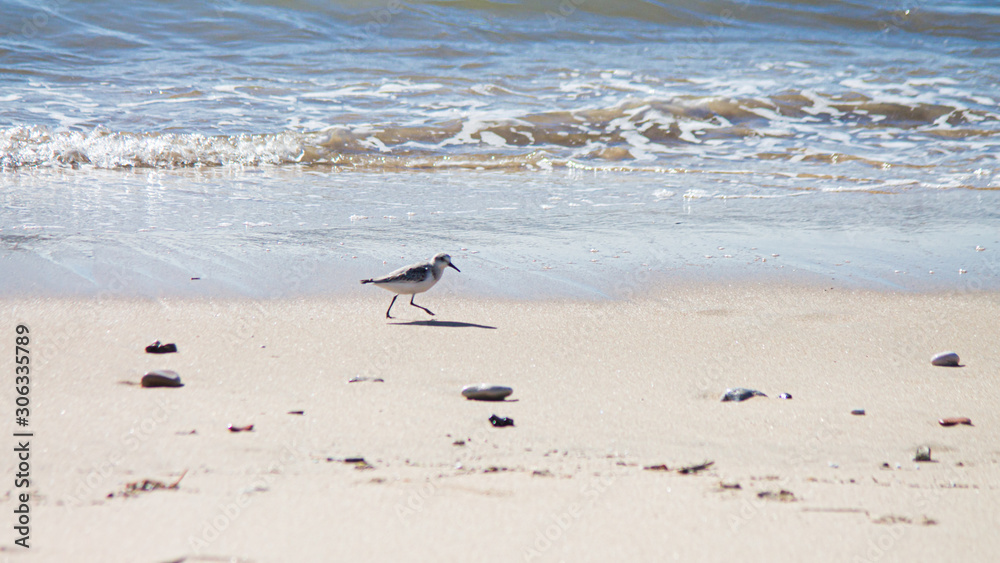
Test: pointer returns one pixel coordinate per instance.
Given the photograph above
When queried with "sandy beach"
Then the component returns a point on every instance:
(602, 391)
(649, 203)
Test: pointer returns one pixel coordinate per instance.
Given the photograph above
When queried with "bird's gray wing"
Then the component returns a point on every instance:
(410, 274)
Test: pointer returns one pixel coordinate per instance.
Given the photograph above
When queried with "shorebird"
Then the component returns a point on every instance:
(413, 279)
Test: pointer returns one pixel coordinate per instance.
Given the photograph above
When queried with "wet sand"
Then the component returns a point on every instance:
(602, 390)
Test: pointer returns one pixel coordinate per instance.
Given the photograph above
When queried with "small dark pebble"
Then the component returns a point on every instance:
(354, 460)
(193, 279)
(157, 348)
(740, 394)
(955, 420)
(161, 378)
(248, 428)
(296, 412)
(946, 359)
(784, 396)
(499, 421)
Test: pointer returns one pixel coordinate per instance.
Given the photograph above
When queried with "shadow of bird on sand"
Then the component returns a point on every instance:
(448, 324)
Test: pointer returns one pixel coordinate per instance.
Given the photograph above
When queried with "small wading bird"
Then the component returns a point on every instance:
(413, 279)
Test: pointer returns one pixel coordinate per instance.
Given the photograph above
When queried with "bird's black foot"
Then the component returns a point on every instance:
(387, 311)
(421, 307)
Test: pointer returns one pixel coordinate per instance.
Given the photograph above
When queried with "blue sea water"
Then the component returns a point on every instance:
(578, 147)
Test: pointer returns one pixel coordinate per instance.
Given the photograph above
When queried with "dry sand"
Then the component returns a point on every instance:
(601, 390)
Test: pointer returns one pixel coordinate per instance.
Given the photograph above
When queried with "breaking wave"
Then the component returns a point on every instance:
(793, 126)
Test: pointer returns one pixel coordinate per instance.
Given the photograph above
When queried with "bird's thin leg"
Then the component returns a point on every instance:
(420, 307)
(387, 315)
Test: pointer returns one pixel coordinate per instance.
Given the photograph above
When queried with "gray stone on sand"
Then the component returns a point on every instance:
(858, 412)
(162, 378)
(947, 359)
(923, 454)
(486, 392)
(740, 394)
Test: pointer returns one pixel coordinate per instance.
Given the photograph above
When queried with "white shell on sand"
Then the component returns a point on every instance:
(485, 392)
(949, 359)
(162, 378)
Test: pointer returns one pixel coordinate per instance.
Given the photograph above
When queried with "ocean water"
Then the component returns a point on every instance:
(578, 147)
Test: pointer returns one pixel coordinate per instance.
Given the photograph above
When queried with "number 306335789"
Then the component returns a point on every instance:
(21, 373)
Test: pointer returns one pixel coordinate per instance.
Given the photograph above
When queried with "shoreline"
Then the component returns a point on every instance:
(602, 390)
(479, 280)
(563, 235)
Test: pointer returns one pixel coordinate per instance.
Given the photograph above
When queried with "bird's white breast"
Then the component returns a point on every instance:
(408, 288)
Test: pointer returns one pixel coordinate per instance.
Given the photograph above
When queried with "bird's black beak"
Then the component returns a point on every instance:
(453, 266)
